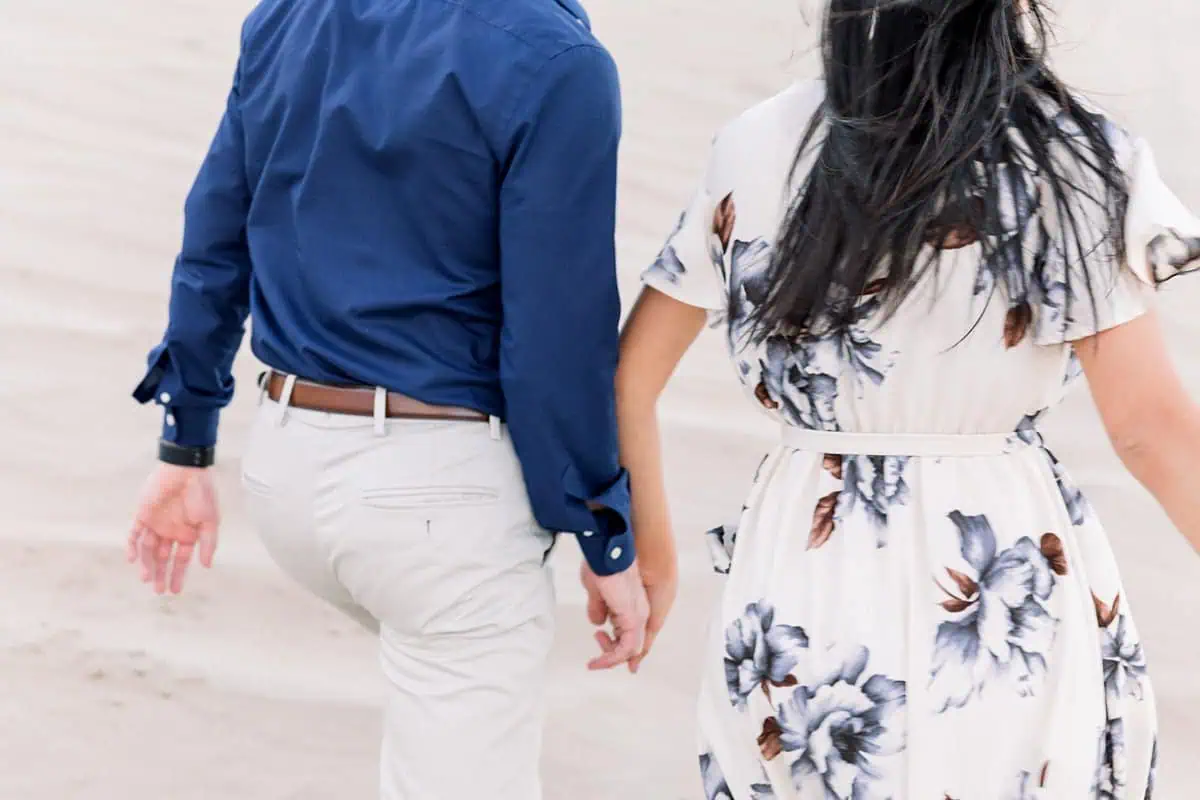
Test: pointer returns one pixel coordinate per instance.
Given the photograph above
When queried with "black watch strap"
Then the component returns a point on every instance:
(181, 456)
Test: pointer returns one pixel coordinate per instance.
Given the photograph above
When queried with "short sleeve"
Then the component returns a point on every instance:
(690, 267)
(1162, 236)
(1162, 240)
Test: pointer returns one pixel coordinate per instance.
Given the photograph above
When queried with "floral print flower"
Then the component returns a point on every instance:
(1005, 629)
(1111, 767)
(1072, 495)
(849, 351)
(1073, 499)
(724, 220)
(862, 354)
(1032, 786)
(715, 785)
(1153, 770)
(1016, 324)
(1171, 253)
(806, 397)
(797, 373)
(1124, 661)
(750, 265)
(759, 653)
(721, 541)
(1056, 301)
(1074, 370)
(668, 265)
(842, 728)
(874, 484)
(824, 514)
(985, 281)
(812, 400)
(761, 791)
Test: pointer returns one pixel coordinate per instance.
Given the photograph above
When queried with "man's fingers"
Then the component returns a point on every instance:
(131, 547)
(148, 547)
(183, 557)
(162, 561)
(608, 646)
(208, 543)
(625, 648)
(628, 644)
(597, 609)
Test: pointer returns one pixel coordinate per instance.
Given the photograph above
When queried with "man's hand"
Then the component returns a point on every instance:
(177, 513)
(621, 600)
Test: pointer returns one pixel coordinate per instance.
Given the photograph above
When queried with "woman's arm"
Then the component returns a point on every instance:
(1152, 422)
(658, 333)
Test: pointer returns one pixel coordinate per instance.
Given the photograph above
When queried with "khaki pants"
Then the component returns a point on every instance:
(421, 531)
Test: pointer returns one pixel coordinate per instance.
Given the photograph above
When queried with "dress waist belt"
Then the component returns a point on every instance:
(921, 445)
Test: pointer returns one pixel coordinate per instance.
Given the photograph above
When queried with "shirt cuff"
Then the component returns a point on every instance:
(608, 545)
(607, 554)
(186, 427)
(190, 427)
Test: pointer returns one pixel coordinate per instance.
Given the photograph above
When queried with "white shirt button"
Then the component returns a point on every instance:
(171, 420)
(615, 553)
(164, 398)
(588, 533)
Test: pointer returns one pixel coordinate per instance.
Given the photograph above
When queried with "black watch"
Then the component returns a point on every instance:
(181, 456)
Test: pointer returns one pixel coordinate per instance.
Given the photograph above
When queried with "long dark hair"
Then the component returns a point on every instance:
(942, 126)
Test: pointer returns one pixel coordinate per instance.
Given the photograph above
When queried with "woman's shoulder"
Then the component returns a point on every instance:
(1123, 141)
(784, 115)
(778, 115)
(758, 146)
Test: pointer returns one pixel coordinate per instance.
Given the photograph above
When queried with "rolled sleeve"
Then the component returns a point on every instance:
(558, 349)
(607, 543)
(189, 374)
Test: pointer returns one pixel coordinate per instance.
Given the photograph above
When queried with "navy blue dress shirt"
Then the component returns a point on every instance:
(420, 195)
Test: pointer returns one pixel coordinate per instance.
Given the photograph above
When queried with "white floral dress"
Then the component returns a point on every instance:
(920, 605)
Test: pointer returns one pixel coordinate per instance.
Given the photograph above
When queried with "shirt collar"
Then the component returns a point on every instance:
(576, 10)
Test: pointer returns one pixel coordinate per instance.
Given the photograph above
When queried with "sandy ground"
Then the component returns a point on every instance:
(247, 688)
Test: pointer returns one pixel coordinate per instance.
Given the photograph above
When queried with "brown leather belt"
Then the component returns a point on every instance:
(360, 401)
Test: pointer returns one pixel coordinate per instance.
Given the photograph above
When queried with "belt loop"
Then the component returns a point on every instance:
(380, 411)
(264, 384)
(285, 397)
(494, 427)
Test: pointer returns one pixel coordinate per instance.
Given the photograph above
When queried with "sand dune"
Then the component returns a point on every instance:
(260, 692)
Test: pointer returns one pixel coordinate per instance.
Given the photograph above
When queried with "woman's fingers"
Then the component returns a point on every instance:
(636, 662)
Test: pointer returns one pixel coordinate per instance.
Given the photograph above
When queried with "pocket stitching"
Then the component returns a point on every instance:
(255, 485)
(429, 497)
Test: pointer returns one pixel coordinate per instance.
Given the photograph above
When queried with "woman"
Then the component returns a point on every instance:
(911, 260)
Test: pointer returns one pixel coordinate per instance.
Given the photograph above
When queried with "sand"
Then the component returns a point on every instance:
(247, 688)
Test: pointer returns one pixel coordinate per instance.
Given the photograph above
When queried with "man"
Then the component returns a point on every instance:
(414, 201)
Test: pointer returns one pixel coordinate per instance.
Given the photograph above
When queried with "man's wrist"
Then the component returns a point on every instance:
(184, 456)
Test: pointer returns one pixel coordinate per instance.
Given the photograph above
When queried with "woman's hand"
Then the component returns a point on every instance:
(658, 333)
(662, 584)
